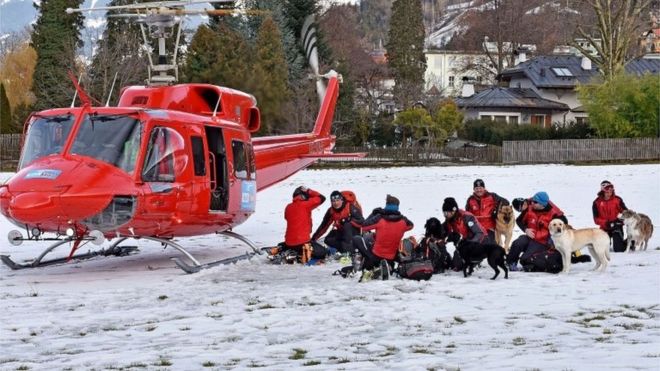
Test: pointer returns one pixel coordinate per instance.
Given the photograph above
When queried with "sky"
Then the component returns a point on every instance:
(141, 312)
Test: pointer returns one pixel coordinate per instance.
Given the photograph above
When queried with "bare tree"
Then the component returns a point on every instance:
(617, 23)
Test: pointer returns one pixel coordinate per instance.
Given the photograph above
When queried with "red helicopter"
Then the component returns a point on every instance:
(169, 161)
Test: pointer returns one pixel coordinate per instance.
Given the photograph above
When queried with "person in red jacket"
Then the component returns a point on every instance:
(536, 219)
(345, 219)
(462, 228)
(298, 215)
(606, 208)
(484, 205)
(389, 226)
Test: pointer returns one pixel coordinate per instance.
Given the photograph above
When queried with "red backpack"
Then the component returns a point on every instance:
(349, 196)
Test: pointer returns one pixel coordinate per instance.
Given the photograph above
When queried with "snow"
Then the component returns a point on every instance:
(142, 312)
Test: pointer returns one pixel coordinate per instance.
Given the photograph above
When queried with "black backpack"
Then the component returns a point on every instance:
(549, 261)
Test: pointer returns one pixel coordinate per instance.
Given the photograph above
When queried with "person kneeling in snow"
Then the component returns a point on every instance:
(298, 215)
(389, 226)
(463, 227)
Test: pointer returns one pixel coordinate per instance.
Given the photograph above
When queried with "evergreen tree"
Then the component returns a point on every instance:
(270, 76)
(55, 38)
(119, 52)
(405, 51)
(201, 56)
(5, 112)
(219, 57)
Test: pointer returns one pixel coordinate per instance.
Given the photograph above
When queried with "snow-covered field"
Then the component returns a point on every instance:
(140, 312)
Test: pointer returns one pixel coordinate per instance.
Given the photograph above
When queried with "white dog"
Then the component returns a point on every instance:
(638, 228)
(568, 240)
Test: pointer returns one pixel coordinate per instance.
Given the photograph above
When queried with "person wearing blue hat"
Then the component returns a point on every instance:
(537, 217)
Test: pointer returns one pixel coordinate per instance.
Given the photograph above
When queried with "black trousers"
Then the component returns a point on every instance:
(342, 238)
(364, 245)
(522, 248)
(618, 243)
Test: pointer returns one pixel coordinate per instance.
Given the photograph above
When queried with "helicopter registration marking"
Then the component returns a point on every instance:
(248, 195)
(43, 174)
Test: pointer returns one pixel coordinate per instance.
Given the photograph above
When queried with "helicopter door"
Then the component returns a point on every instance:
(245, 174)
(217, 157)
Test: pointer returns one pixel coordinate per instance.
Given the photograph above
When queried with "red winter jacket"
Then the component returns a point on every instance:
(484, 208)
(539, 220)
(465, 224)
(390, 227)
(607, 211)
(298, 215)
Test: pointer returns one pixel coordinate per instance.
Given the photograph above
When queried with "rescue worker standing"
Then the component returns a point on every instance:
(345, 218)
(606, 208)
(484, 205)
(298, 215)
(389, 226)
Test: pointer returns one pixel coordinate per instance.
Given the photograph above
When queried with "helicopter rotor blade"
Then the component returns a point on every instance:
(148, 5)
(308, 37)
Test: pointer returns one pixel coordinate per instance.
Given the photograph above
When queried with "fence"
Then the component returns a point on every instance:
(10, 151)
(421, 155)
(538, 151)
(568, 150)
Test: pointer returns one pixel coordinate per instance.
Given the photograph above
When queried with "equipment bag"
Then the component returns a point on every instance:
(416, 270)
(549, 261)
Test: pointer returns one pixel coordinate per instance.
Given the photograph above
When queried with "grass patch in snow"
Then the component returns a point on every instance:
(214, 315)
(459, 320)
(298, 353)
(208, 364)
(23, 367)
(421, 350)
(162, 297)
(631, 326)
(266, 306)
(162, 361)
(184, 328)
(519, 341)
(312, 363)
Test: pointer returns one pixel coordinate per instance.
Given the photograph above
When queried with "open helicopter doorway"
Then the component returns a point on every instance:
(218, 165)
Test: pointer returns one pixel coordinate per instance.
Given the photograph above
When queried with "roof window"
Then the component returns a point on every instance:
(562, 72)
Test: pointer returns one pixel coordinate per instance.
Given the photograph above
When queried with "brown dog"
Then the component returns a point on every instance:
(504, 226)
(638, 229)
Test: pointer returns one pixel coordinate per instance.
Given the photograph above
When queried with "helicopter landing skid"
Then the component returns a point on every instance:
(113, 250)
(198, 267)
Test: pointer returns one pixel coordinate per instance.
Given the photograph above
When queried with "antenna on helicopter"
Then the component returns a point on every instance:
(160, 17)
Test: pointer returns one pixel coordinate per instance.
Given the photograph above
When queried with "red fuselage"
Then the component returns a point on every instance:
(169, 161)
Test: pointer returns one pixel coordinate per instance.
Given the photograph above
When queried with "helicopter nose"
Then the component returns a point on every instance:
(78, 192)
(43, 207)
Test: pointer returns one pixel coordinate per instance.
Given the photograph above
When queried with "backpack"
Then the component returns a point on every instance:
(436, 251)
(413, 262)
(350, 197)
(549, 261)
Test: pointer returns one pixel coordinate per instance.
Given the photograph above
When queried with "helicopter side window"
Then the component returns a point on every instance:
(114, 139)
(253, 165)
(46, 135)
(166, 156)
(198, 156)
(240, 159)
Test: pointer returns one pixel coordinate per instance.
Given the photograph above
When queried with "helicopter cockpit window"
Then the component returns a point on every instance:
(114, 139)
(166, 156)
(240, 159)
(45, 136)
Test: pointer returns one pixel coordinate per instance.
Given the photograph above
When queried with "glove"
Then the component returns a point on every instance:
(454, 237)
(614, 224)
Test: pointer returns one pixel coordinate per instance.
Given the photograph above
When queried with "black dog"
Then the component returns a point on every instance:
(433, 245)
(473, 253)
